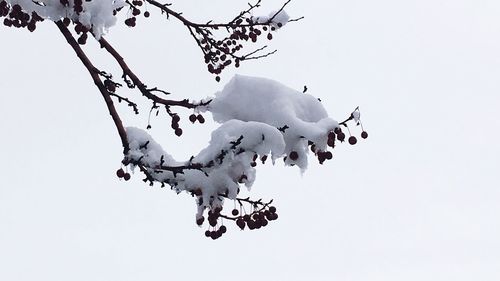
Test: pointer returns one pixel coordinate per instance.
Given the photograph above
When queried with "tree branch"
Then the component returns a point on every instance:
(127, 72)
(94, 73)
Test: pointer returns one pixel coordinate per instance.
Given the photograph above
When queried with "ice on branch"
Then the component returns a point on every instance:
(95, 15)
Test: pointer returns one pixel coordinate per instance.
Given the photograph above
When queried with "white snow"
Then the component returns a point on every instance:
(97, 14)
(278, 20)
(266, 101)
(258, 117)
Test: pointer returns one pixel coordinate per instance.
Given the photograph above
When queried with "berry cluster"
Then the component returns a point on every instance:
(135, 11)
(333, 136)
(193, 118)
(263, 159)
(77, 5)
(80, 29)
(120, 173)
(175, 124)
(257, 219)
(16, 17)
(260, 217)
(219, 54)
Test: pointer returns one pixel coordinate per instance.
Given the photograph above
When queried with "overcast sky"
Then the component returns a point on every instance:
(418, 200)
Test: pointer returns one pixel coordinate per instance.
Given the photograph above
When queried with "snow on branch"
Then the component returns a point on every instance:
(260, 119)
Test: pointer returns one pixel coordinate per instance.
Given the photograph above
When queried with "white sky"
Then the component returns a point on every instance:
(419, 200)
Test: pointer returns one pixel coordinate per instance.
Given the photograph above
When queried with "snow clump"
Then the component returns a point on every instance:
(97, 15)
(259, 118)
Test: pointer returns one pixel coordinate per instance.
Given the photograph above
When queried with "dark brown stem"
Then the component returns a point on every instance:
(187, 22)
(137, 82)
(94, 73)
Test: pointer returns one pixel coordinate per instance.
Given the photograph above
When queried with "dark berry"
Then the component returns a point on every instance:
(207, 233)
(120, 173)
(200, 119)
(352, 140)
(272, 209)
(200, 221)
(146, 14)
(341, 136)
(235, 212)
(364, 134)
(192, 118)
(240, 223)
(178, 132)
(294, 155)
(328, 155)
(223, 229)
(126, 176)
